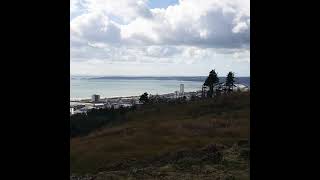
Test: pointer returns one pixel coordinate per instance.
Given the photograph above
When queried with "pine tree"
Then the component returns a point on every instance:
(211, 81)
(230, 80)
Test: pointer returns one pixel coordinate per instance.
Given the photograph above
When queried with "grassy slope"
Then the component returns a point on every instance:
(159, 129)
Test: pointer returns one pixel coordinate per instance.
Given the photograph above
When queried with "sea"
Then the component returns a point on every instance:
(83, 87)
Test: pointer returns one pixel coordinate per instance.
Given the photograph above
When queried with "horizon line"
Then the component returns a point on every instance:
(149, 75)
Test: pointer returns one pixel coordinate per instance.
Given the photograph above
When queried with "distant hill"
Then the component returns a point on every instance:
(241, 80)
(180, 78)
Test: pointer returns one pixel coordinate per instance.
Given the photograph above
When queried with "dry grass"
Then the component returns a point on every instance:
(158, 129)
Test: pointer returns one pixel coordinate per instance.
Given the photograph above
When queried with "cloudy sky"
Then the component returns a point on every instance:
(159, 37)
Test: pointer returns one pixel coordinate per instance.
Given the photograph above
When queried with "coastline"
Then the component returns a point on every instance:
(123, 97)
(137, 96)
(102, 98)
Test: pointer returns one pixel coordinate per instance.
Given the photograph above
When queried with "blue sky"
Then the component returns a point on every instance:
(129, 37)
(161, 3)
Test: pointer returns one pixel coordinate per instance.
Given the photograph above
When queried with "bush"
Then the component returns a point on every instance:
(83, 124)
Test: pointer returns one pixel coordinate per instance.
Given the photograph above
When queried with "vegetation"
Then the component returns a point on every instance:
(144, 98)
(166, 138)
(198, 139)
(83, 124)
(211, 81)
(230, 80)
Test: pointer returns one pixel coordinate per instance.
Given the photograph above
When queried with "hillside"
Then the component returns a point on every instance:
(204, 139)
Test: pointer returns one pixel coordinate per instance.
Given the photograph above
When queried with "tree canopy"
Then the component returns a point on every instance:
(144, 98)
(211, 80)
(230, 80)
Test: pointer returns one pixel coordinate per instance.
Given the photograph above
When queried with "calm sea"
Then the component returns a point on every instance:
(84, 86)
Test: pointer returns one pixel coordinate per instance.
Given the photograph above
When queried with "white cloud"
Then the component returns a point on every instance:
(107, 31)
(240, 27)
(241, 56)
(125, 10)
(95, 27)
(204, 23)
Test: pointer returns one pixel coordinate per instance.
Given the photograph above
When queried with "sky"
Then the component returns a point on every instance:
(159, 37)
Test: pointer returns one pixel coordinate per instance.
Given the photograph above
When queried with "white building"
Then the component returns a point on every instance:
(98, 105)
(125, 105)
(181, 89)
(176, 94)
(107, 105)
(115, 105)
(71, 111)
(240, 87)
(95, 98)
(80, 111)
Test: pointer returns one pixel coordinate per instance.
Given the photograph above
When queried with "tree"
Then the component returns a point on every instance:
(184, 98)
(211, 81)
(144, 98)
(230, 81)
(193, 97)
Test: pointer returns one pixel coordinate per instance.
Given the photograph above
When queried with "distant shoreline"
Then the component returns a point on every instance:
(181, 78)
(89, 98)
(115, 97)
(132, 96)
(176, 78)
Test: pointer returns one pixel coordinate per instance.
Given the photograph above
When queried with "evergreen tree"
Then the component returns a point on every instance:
(211, 81)
(144, 98)
(230, 80)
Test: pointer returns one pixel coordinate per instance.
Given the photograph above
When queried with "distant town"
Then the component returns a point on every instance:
(84, 105)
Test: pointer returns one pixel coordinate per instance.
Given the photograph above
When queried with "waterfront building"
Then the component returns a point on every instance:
(181, 89)
(95, 98)
(98, 105)
(71, 111)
